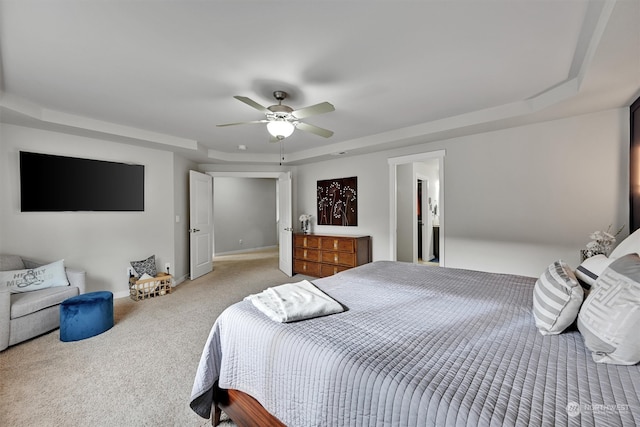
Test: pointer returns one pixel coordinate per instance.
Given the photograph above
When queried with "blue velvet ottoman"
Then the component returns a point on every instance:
(86, 315)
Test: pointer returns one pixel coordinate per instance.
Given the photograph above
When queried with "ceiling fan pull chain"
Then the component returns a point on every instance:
(281, 153)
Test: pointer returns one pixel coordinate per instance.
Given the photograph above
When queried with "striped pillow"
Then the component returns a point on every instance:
(557, 297)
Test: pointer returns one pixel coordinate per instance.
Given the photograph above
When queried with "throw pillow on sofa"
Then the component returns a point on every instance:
(33, 279)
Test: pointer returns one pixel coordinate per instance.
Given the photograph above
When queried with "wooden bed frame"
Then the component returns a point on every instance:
(243, 409)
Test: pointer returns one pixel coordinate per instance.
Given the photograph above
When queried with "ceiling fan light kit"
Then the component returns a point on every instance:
(282, 120)
(280, 128)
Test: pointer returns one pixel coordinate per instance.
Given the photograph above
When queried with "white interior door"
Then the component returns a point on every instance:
(200, 224)
(285, 232)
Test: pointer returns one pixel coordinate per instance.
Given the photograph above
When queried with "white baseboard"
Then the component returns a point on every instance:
(121, 294)
(178, 280)
(244, 250)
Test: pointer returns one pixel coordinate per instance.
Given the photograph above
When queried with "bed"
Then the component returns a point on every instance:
(416, 346)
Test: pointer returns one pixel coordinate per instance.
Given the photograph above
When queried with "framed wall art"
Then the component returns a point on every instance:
(338, 201)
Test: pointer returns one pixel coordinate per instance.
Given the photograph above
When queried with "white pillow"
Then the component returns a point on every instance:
(557, 297)
(33, 279)
(610, 316)
(147, 286)
(630, 245)
(592, 268)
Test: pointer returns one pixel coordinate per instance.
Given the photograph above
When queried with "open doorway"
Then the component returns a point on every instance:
(244, 215)
(281, 199)
(426, 234)
(416, 185)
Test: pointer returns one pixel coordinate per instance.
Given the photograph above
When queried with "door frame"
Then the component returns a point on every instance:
(275, 175)
(393, 199)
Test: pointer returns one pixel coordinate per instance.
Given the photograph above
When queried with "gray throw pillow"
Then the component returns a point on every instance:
(609, 319)
(145, 266)
(11, 262)
(557, 297)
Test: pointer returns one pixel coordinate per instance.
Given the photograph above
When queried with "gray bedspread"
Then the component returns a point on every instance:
(417, 346)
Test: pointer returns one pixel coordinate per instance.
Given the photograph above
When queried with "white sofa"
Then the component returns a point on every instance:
(29, 314)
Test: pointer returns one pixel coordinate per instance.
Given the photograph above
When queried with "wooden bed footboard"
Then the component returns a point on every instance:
(243, 409)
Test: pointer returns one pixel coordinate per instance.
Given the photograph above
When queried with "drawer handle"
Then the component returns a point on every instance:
(335, 244)
(335, 270)
(304, 254)
(335, 258)
(304, 266)
(304, 242)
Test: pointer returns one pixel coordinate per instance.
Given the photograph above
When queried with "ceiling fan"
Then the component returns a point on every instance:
(282, 120)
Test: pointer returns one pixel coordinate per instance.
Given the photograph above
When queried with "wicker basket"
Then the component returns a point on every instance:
(149, 288)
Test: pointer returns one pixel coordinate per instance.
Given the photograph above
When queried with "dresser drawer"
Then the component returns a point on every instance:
(305, 241)
(330, 270)
(307, 267)
(307, 254)
(325, 255)
(340, 258)
(338, 244)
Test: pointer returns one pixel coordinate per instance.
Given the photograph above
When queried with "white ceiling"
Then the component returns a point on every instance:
(164, 73)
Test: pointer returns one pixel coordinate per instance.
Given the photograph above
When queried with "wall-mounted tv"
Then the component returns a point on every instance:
(50, 183)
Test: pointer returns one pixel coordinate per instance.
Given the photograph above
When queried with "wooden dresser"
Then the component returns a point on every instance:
(325, 255)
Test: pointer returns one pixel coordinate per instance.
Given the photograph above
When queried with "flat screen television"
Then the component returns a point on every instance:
(50, 183)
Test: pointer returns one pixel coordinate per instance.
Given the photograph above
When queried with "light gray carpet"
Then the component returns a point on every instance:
(141, 371)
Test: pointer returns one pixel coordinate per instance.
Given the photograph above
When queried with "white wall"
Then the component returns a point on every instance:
(556, 183)
(373, 197)
(515, 199)
(101, 243)
(244, 209)
(406, 214)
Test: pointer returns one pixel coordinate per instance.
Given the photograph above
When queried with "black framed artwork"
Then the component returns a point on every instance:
(338, 201)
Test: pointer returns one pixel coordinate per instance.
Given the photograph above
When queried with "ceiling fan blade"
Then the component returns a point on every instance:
(252, 103)
(243, 123)
(314, 129)
(323, 107)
